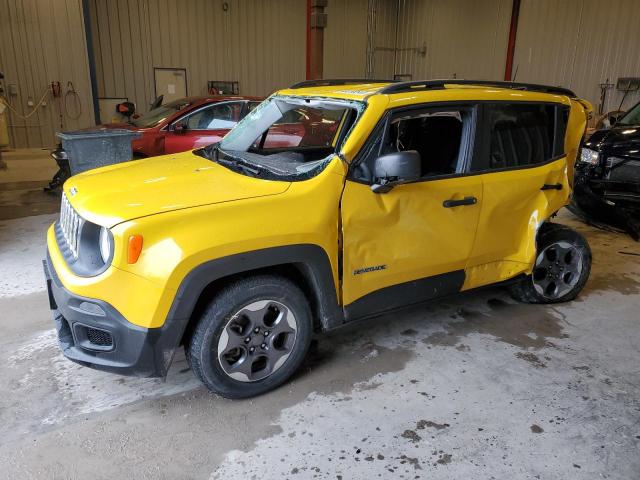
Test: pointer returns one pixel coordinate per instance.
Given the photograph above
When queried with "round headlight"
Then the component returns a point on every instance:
(106, 244)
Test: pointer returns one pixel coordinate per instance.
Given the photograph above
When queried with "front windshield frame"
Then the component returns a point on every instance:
(163, 112)
(235, 146)
(631, 118)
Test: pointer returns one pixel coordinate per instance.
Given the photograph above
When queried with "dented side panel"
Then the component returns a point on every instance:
(513, 208)
(405, 234)
(515, 205)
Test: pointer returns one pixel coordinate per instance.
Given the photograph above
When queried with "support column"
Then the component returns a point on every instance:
(511, 47)
(316, 22)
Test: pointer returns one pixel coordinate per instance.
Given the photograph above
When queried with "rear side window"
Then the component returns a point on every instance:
(519, 135)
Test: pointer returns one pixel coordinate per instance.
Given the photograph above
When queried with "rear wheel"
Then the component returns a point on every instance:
(252, 337)
(562, 267)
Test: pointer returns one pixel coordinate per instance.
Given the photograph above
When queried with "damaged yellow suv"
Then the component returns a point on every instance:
(332, 201)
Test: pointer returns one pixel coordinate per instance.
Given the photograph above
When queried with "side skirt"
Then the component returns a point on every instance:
(404, 294)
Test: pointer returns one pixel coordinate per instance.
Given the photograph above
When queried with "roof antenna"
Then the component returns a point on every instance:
(515, 74)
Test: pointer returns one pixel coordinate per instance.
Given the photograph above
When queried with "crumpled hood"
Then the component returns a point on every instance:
(117, 193)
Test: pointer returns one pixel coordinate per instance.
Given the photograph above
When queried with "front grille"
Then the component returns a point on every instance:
(623, 169)
(70, 226)
(99, 337)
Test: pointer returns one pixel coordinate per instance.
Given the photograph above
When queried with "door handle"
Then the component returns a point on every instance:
(459, 203)
(551, 186)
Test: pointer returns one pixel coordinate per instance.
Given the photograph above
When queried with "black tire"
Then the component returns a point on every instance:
(539, 286)
(227, 315)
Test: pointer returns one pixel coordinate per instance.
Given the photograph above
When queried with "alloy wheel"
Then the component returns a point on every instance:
(557, 270)
(257, 340)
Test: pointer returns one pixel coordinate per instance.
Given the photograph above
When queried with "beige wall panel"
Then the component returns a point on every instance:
(579, 44)
(43, 41)
(453, 38)
(345, 39)
(258, 43)
(420, 39)
(385, 38)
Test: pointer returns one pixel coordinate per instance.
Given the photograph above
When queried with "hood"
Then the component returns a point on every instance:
(621, 141)
(111, 195)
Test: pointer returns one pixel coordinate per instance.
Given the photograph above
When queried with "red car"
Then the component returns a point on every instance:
(195, 122)
(187, 123)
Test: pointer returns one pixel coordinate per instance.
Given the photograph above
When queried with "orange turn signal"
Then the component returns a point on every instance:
(135, 247)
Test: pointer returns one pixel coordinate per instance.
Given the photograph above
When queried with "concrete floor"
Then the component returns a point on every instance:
(28, 171)
(475, 386)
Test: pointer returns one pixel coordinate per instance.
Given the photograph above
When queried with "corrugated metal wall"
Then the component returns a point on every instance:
(384, 38)
(260, 44)
(575, 43)
(345, 39)
(418, 39)
(43, 41)
(579, 44)
(453, 38)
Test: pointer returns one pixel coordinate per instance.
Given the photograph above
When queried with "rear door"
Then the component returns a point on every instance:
(523, 168)
(203, 126)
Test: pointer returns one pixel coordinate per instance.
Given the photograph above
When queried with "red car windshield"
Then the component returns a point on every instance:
(157, 115)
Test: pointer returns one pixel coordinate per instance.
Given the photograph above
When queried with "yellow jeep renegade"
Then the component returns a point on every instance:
(330, 202)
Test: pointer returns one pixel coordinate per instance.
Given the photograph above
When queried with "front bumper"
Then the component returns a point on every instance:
(93, 333)
(599, 196)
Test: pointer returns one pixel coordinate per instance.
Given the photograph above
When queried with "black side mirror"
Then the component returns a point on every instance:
(395, 169)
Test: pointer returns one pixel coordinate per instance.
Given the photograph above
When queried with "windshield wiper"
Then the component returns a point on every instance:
(236, 163)
(212, 152)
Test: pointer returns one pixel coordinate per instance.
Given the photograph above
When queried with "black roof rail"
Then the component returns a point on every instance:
(439, 84)
(327, 82)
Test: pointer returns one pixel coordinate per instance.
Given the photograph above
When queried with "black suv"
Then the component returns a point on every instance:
(607, 175)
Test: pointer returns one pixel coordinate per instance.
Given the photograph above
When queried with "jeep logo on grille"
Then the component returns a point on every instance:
(73, 191)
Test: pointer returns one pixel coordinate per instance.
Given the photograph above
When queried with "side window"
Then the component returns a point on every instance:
(217, 116)
(442, 137)
(519, 135)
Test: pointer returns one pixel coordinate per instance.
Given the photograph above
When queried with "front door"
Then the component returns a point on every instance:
(411, 243)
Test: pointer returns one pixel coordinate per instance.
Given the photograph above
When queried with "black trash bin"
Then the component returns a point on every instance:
(88, 149)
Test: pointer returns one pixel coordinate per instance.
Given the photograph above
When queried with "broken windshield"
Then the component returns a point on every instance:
(287, 138)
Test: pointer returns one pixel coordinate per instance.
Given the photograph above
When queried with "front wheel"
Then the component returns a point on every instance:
(561, 270)
(252, 337)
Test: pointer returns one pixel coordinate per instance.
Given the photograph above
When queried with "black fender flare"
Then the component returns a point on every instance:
(311, 260)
